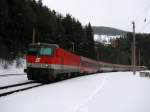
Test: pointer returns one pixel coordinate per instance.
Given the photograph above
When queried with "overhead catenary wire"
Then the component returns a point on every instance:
(144, 26)
(144, 11)
(142, 19)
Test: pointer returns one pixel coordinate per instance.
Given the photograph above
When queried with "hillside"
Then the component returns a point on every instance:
(102, 30)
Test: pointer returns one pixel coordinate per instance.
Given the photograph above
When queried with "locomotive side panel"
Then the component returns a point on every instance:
(66, 61)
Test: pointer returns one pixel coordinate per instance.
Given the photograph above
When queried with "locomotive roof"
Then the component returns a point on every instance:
(44, 44)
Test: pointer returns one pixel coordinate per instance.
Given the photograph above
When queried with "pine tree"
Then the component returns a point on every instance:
(90, 42)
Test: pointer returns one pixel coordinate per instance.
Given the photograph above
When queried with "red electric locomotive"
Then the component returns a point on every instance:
(49, 62)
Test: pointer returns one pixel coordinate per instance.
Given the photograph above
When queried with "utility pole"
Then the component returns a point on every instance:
(139, 57)
(73, 45)
(97, 52)
(134, 50)
(33, 35)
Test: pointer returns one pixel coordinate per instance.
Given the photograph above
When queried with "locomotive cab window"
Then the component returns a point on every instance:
(32, 51)
(40, 51)
(46, 51)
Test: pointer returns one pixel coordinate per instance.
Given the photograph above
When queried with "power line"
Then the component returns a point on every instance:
(144, 26)
(142, 18)
(145, 11)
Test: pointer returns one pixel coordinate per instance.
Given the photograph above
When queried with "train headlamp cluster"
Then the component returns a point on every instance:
(46, 65)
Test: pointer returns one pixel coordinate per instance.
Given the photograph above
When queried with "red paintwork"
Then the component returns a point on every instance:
(66, 58)
(88, 65)
(60, 57)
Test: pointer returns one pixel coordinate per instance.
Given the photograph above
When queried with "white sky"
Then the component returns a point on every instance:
(112, 13)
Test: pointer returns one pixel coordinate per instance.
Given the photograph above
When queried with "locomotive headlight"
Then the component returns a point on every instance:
(28, 64)
(46, 65)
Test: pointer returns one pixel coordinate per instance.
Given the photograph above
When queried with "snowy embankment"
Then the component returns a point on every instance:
(13, 67)
(7, 75)
(106, 92)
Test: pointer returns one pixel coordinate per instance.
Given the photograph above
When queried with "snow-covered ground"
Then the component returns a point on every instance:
(11, 68)
(105, 39)
(105, 92)
(5, 81)
(7, 76)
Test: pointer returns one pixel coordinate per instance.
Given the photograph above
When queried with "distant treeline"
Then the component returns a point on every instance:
(19, 17)
(120, 50)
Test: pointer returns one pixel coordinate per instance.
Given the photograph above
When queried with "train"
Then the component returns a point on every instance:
(49, 62)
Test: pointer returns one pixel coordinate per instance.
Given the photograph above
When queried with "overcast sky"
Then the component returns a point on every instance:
(112, 13)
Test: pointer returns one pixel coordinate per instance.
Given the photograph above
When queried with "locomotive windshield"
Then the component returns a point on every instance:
(40, 51)
(46, 51)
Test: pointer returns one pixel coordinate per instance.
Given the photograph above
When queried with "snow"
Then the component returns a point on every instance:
(12, 71)
(104, 92)
(5, 81)
(105, 39)
(11, 68)
(7, 76)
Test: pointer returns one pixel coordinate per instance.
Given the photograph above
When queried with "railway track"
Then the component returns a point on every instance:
(7, 90)
(7, 75)
(15, 85)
